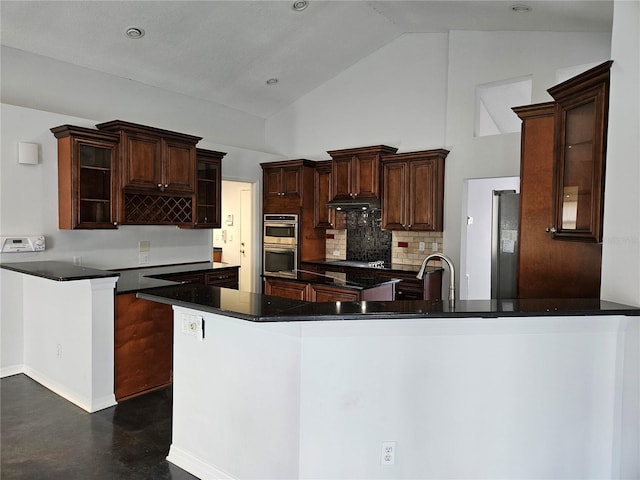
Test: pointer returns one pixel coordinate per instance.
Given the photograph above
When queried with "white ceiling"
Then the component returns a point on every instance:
(224, 51)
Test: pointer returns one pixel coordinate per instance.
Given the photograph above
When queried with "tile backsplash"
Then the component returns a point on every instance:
(368, 242)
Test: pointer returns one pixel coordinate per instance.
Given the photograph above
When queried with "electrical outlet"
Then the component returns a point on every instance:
(336, 253)
(193, 325)
(143, 258)
(421, 246)
(59, 351)
(388, 456)
(434, 246)
(77, 260)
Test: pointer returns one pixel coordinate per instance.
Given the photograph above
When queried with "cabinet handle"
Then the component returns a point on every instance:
(551, 230)
(409, 227)
(115, 223)
(166, 185)
(159, 185)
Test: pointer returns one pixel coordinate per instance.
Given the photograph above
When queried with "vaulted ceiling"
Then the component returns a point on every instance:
(225, 51)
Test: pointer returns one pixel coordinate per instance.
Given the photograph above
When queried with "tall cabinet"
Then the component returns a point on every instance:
(288, 187)
(562, 169)
(547, 267)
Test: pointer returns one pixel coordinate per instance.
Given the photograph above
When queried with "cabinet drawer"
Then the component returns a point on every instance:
(185, 277)
(226, 279)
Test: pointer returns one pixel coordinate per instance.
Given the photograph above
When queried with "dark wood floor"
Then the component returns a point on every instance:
(43, 436)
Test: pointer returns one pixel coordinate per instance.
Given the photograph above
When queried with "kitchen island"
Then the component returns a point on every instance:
(75, 336)
(266, 387)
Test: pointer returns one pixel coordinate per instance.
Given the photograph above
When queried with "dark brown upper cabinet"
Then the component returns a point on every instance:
(580, 145)
(324, 217)
(284, 184)
(356, 172)
(154, 159)
(87, 178)
(208, 188)
(157, 175)
(413, 190)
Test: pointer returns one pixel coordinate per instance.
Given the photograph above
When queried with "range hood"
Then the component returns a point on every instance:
(355, 204)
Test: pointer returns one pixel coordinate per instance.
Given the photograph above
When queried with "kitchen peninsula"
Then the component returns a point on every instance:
(290, 384)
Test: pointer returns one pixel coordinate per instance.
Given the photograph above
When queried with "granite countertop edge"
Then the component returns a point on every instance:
(262, 308)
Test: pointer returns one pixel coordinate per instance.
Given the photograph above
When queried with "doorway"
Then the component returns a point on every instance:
(477, 234)
(236, 236)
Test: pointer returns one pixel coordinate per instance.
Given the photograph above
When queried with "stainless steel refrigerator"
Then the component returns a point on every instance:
(504, 244)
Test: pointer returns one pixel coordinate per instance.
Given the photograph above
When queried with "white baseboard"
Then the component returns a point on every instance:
(13, 370)
(90, 405)
(195, 466)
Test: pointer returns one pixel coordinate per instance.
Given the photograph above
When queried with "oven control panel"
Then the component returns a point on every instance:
(26, 243)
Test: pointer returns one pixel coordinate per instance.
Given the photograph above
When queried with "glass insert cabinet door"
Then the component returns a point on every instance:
(87, 178)
(581, 112)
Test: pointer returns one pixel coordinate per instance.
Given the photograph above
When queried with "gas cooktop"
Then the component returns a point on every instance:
(359, 263)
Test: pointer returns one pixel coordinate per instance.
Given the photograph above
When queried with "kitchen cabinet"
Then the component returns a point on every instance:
(286, 288)
(283, 185)
(208, 188)
(323, 293)
(356, 172)
(155, 159)
(580, 115)
(547, 268)
(157, 174)
(310, 291)
(87, 178)
(288, 188)
(413, 191)
(323, 216)
(226, 277)
(143, 341)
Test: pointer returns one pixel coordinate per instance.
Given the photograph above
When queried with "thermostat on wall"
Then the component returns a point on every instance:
(22, 244)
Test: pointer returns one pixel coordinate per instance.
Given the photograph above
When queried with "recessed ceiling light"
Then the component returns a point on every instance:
(300, 5)
(272, 81)
(520, 8)
(134, 32)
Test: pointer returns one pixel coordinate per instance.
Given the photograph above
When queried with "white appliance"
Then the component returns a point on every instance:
(25, 243)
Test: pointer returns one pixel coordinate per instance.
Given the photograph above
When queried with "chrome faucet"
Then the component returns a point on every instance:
(452, 273)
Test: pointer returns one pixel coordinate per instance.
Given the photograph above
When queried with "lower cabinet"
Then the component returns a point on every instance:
(286, 289)
(143, 341)
(312, 292)
(227, 278)
(321, 293)
(220, 277)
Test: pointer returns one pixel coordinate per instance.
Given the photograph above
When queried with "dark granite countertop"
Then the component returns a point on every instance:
(389, 267)
(134, 279)
(58, 271)
(262, 308)
(332, 278)
(130, 280)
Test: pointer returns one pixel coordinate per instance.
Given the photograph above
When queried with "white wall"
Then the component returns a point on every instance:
(395, 97)
(29, 202)
(621, 242)
(29, 206)
(11, 326)
(482, 57)
(502, 398)
(418, 92)
(46, 84)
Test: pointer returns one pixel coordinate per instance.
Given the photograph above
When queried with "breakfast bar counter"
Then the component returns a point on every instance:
(263, 308)
(459, 390)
